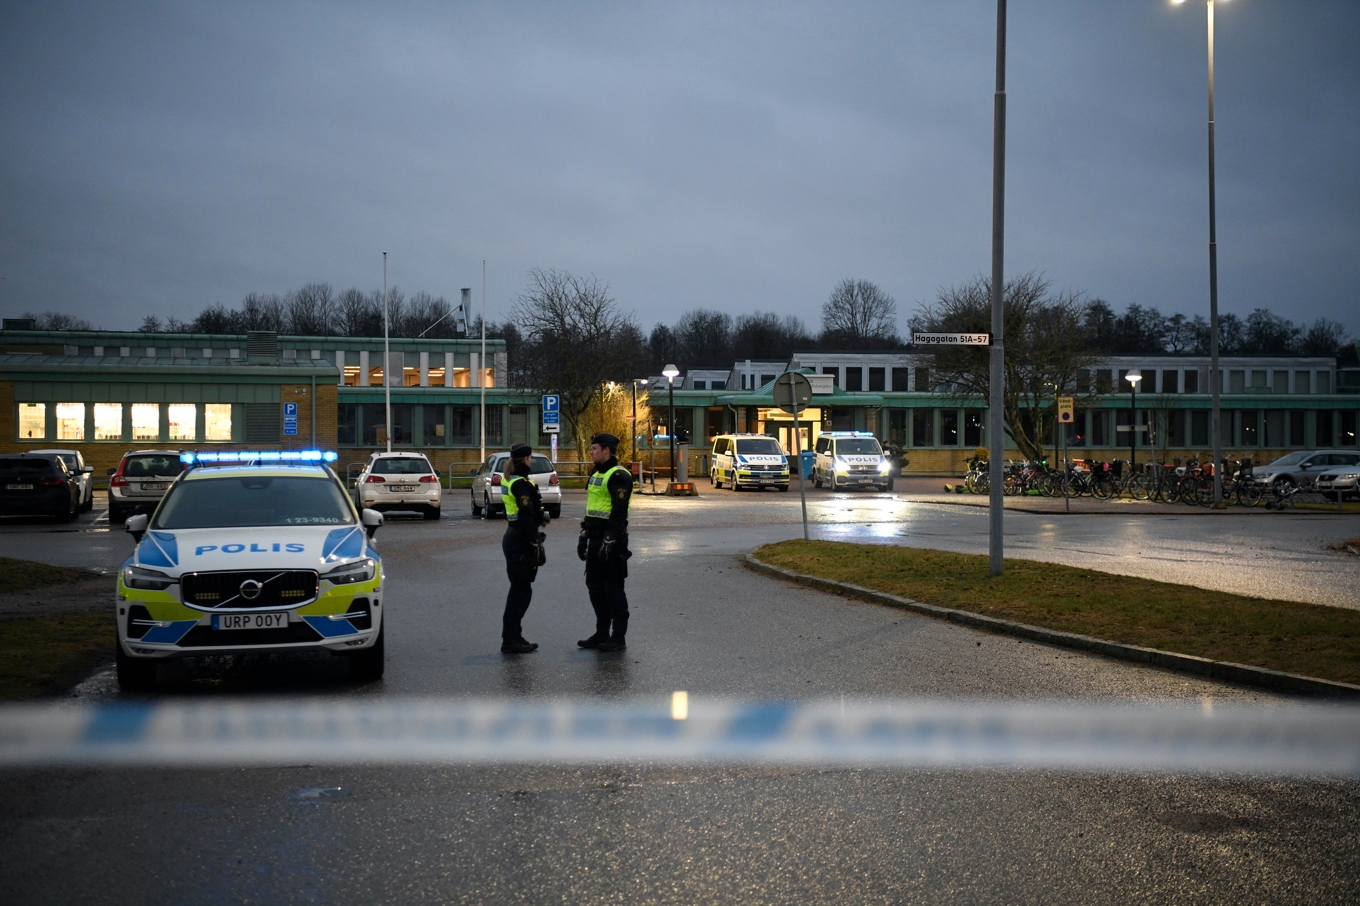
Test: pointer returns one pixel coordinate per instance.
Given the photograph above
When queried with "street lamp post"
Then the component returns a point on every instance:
(671, 373)
(1133, 377)
(1215, 437)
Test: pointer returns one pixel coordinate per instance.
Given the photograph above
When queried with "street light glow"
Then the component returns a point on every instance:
(670, 372)
(1133, 377)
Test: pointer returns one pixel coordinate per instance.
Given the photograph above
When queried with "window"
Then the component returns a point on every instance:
(922, 380)
(1323, 431)
(854, 379)
(373, 420)
(842, 419)
(1100, 428)
(949, 427)
(108, 421)
(462, 377)
(717, 385)
(183, 421)
(1192, 381)
(217, 421)
(1258, 380)
(1237, 381)
(922, 427)
(1346, 436)
(1170, 382)
(900, 380)
(495, 422)
(1175, 429)
(460, 424)
(410, 377)
(345, 414)
(433, 430)
(1281, 382)
(766, 378)
(1246, 419)
(70, 421)
(897, 427)
(972, 428)
(700, 385)
(351, 378)
(1302, 382)
(437, 377)
(1199, 429)
(1297, 435)
(33, 421)
(1104, 380)
(835, 374)
(375, 377)
(402, 416)
(146, 421)
(1324, 382)
(1274, 424)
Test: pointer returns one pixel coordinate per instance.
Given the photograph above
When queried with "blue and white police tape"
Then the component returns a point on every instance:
(1292, 740)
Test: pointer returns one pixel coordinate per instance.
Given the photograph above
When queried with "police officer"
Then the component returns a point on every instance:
(522, 546)
(604, 544)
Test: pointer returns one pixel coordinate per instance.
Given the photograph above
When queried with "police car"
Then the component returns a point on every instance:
(851, 459)
(251, 552)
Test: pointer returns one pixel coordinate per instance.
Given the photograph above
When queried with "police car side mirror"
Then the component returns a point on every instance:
(136, 526)
(371, 520)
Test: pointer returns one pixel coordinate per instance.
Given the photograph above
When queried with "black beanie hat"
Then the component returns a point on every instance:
(605, 439)
(519, 451)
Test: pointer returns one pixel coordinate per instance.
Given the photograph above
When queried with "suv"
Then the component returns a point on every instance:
(489, 476)
(851, 459)
(249, 553)
(38, 484)
(399, 481)
(1297, 468)
(75, 464)
(140, 481)
(748, 460)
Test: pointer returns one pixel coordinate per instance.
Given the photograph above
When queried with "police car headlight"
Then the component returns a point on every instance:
(883, 466)
(140, 577)
(359, 571)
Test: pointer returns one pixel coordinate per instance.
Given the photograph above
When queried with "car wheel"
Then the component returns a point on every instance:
(476, 510)
(816, 479)
(784, 487)
(554, 510)
(432, 513)
(135, 674)
(487, 511)
(370, 663)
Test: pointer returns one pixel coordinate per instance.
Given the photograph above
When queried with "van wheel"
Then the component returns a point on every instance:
(784, 487)
(816, 479)
(714, 479)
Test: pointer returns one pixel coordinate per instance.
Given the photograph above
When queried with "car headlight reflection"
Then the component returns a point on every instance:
(150, 579)
(358, 571)
(883, 466)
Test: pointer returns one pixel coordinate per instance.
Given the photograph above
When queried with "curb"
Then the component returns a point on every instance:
(1259, 677)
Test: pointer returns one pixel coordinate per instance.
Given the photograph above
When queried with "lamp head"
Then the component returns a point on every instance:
(671, 373)
(1133, 377)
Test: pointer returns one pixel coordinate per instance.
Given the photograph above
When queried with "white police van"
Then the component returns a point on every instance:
(251, 552)
(748, 461)
(851, 459)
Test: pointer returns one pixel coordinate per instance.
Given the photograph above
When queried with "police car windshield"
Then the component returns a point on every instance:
(408, 465)
(858, 447)
(236, 501)
(755, 446)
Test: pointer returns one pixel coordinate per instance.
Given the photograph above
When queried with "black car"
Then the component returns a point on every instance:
(38, 484)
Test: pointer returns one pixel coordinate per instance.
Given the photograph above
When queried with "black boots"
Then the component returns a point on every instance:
(518, 646)
(593, 642)
(615, 644)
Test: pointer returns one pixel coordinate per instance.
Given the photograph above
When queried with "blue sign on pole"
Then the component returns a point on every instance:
(551, 403)
(290, 410)
(552, 413)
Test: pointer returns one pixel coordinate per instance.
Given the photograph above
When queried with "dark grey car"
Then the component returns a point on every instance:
(38, 484)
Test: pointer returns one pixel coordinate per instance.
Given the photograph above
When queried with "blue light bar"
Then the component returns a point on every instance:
(190, 457)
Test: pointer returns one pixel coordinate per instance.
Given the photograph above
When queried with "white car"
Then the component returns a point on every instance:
(250, 552)
(1304, 466)
(75, 464)
(399, 481)
(851, 459)
(490, 475)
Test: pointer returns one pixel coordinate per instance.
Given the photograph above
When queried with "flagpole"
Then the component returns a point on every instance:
(481, 363)
(387, 362)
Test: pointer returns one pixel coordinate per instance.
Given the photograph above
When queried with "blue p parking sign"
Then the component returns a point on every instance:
(289, 419)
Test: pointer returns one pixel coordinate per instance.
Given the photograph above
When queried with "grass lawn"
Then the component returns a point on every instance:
(42, 656)
(21, 575)
(1307, 639)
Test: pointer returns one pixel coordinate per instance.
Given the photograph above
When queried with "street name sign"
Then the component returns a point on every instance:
(951, 339)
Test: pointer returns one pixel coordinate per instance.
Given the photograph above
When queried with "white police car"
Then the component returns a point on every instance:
(251, 552)
(851, 459)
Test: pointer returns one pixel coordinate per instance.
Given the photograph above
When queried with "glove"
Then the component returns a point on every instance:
(540, 538)
(581, 544)
(607, 547)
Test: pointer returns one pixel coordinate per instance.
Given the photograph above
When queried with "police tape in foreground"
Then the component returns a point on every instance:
(1296, 740)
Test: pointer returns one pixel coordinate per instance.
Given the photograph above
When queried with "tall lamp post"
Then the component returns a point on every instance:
(1133, 377)
(671, 373)
(1215, 437)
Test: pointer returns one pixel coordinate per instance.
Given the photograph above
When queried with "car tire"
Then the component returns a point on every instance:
(784, 487)
(554, 510)
(369, 663)
(831, 481)
(135, 674)
(432, 512)
(713, 477)
(476, 509)
(487, 511)
(816, 479)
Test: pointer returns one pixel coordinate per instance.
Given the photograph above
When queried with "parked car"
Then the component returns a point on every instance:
(748, 461)
(399, 481)
(1341, 479)
(488, 477)
(38, 484)
(851, 459)
(1296, 468)
(75, 464)
(140, 481)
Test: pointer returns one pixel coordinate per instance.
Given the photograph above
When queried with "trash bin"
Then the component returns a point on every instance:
(682, 461)
(808, 458)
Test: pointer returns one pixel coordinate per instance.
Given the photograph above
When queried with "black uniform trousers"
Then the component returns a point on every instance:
(604, 583)
(521, 565)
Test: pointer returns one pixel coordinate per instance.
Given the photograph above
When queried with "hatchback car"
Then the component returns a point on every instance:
(1304, 466)
(75, 464)
(490, 475)
(140, 481)
(399, 481)
(38, 484)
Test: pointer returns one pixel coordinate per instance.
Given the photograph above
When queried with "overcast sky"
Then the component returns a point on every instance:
(159, 157)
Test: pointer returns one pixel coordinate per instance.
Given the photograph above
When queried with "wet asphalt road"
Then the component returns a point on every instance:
(682, 835)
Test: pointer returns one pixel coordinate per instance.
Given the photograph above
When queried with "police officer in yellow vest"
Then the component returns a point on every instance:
(604, 544)
(522, 546)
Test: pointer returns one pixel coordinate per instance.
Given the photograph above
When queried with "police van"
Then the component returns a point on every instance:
(851, 459)
(748, 461)
(251, 552)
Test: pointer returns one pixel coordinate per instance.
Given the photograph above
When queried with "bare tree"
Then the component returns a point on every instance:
(764, 335)
(704, 337)
(859, 315)
(1044, 348)
(575, 340)
(55, 320)
(309, 311)
(150, 324)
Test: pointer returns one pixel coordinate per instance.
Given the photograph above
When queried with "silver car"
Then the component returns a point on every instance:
(1304, 466)
(75, 464)
(399, 481)
(140, 481)
(489, 477)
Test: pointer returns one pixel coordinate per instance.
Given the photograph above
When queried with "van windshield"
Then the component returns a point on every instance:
(858, 446)
(759, 446)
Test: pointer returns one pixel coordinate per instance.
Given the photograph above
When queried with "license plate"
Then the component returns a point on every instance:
(155, 485)
(401, 488)
(249, 620)
(18, 487)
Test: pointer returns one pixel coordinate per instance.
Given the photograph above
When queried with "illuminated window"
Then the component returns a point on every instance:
(146, 421)
(489, 379)
(351, 376)
(410, 377)
(70, 421)
(183, 419)
(33, 421)
(108, 421)
(216, 421)
(436, 377)
(375, 377)
(462, 377)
